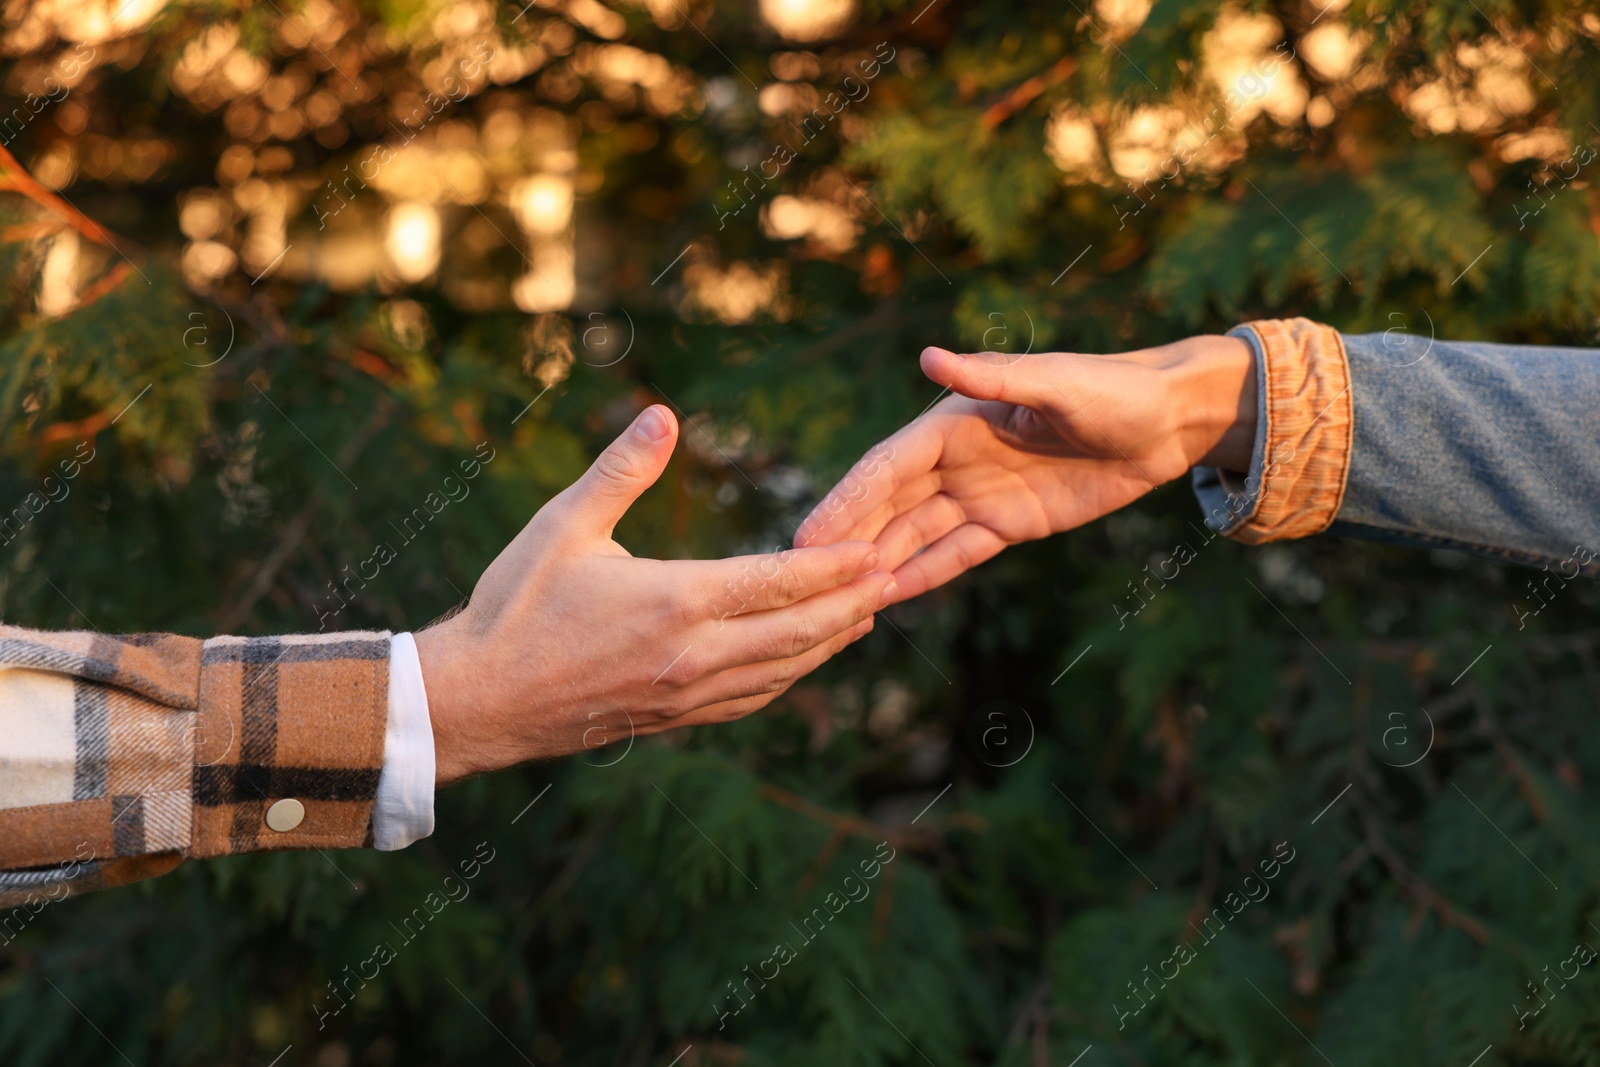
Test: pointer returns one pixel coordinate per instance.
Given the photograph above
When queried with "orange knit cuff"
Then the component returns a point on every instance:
(1310, 415)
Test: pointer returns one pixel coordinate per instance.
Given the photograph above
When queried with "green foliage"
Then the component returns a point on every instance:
(280, 428)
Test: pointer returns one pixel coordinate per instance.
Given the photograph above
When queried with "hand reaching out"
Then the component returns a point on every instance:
(1035, 445)
(569, 641)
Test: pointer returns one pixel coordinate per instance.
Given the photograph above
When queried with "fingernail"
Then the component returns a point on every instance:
(890, 588)
(652, 425)
(871, 561)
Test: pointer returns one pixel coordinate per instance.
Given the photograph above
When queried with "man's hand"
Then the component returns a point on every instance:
(568, 642)
(1034, 445)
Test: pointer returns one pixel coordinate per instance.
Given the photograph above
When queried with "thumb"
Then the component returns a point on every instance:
(620, 475)
(991, 375)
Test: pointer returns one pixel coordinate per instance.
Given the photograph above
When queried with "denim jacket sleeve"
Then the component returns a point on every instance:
(1490, 448)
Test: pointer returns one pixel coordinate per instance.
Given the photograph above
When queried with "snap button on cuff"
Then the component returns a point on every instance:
(285, 815)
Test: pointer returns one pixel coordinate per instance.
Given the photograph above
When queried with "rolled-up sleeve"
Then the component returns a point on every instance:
(1305, 418)
(1489, 448)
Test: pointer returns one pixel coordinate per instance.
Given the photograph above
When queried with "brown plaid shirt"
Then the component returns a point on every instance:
(122, 755)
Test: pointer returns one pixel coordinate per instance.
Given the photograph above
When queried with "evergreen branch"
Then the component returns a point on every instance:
(1552, 644)
(830, 849)
(28, 231)
(1414, 883)
(1020, 96)
(294, 534)
(880, 910)
(106, 283)
(82, 429)
(17, 179)
(849, 825)
(882, 319)
(1036, 1011)
(568, 875)
(1591, 674)
(377, 367)
(1208, 877)
(1514, 763)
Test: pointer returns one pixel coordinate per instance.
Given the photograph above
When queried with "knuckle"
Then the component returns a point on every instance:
(672, 706)
(805, 635)
(683, 610)
(738, 709)
(781, 678)
(613, 466)
(683, 704)
(790, 585)
(681, 672)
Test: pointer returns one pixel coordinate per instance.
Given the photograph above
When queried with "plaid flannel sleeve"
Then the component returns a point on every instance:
(120, 756)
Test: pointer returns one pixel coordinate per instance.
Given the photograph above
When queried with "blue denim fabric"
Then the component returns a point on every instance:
(1489, 448)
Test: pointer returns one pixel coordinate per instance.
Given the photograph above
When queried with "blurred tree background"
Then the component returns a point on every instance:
(274, 269)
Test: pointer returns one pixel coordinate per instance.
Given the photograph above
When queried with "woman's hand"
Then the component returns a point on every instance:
(1034, 445)
(568, 642)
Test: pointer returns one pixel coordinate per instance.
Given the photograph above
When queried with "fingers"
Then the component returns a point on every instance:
(745, 584)
(734, 693)
(779, 634)
(788, 632)
(911, 531)
(1025, 380)
(725, 711)
(962, 549)
(619, 475)
(767, 652)
(909, 454)
(908, 496)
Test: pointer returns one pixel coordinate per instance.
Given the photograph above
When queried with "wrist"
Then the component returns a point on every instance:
(453, 706)
(1212, 382)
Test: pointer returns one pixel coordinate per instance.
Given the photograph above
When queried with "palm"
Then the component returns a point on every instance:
(970, 476)
(1024, 475)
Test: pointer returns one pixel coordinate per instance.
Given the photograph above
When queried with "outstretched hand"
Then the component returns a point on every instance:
(569, 642)
(1035, 445)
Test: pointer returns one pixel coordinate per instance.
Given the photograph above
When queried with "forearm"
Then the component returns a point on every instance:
(1494, 449)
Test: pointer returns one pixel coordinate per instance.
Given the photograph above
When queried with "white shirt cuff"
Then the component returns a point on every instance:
(404, 809)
